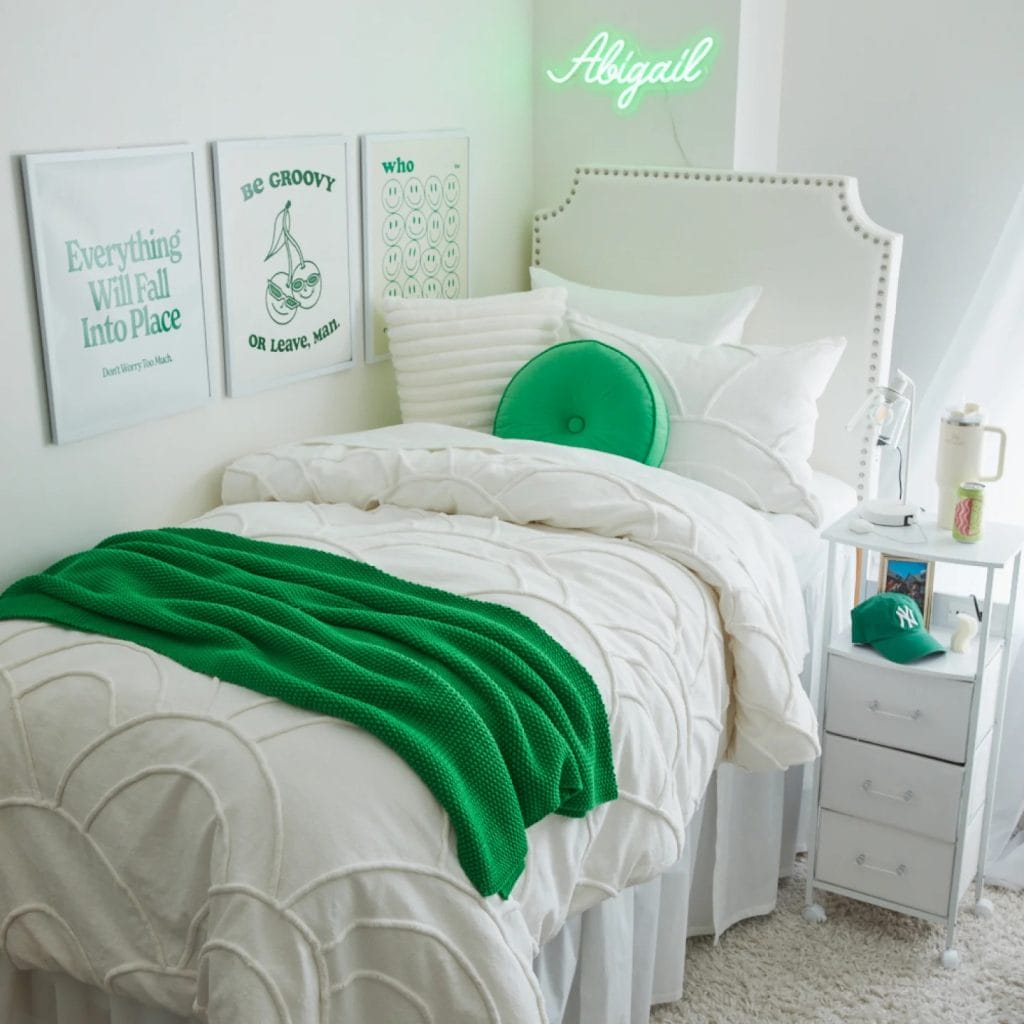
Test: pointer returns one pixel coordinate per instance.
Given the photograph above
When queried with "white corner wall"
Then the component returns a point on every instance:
(760, 55)
(922, 100)
(729, 121)
(123, 73)
(576, 124)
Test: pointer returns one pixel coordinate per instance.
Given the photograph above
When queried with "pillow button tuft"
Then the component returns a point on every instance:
(575, 424)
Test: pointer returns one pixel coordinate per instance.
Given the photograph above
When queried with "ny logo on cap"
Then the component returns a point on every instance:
(906, 617)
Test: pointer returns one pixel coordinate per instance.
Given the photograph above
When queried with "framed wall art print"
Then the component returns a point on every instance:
(288, 256)
(115, 246)
(415, 222)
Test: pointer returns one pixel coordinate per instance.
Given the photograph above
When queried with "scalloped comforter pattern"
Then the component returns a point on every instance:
(197, 846)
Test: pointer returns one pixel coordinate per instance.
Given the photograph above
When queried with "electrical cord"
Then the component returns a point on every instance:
(912, 533)
(675, 128)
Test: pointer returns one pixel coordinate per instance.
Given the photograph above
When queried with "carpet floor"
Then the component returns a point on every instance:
(864, 965)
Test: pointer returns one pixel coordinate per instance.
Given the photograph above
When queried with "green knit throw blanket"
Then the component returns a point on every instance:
(500, 722)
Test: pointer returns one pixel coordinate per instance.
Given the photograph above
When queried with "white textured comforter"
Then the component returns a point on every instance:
(199, 846)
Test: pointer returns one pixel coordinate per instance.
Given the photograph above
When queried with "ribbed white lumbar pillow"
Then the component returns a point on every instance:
(453, 357)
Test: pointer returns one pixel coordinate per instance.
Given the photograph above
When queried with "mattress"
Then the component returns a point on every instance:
(803, 541)
(190, 845)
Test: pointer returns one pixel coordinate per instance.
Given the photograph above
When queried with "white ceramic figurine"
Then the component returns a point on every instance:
(965, 632)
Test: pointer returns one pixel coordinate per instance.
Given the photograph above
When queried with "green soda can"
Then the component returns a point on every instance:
(970, 503)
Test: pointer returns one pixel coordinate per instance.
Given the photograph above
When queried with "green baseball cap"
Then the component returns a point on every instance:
(891, 623)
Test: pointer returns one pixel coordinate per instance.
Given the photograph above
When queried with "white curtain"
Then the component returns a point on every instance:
(985, 363)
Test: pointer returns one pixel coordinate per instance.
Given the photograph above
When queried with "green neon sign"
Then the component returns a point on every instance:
(608, 62)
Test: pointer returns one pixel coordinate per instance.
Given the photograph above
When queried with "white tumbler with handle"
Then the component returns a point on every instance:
(961, 444)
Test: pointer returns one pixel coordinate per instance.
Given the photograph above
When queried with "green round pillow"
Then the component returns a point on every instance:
(589, 395)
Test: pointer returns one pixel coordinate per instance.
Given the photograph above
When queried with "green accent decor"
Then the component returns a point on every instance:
(498, 720)
(891, 623)
(302, 284)
(609, 61)
(586, 394)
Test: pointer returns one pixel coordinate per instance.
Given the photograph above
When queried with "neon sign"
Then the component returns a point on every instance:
(606, 62)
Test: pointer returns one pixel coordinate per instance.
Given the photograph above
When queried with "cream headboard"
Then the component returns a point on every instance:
(825, 267)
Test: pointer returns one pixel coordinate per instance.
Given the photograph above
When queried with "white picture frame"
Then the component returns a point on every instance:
(119, 284)
(416, 188)
(288, 237)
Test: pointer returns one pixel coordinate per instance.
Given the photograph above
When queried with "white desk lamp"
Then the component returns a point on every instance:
(887, 411)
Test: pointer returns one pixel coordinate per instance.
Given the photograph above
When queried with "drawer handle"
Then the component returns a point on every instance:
(862, 861)
(905, 797)
(875, 706)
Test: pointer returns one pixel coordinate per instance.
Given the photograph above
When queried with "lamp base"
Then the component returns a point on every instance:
(888, 513)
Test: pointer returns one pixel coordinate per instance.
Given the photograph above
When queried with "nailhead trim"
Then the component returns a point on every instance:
(839, 184)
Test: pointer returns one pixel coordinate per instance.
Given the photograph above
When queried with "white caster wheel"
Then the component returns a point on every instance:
(983, 908)
(950, 959)
(815, 914)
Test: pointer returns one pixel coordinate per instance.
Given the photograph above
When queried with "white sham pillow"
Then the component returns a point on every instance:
(453, 357)
(716, 319)
(741, 417)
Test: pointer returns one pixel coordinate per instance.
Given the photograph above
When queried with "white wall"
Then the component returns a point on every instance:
(132, 72)
(576, 124)
(760, 56)
(729, 121)
(922, 100)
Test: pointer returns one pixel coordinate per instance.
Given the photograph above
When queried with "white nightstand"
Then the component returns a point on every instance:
(904, 785)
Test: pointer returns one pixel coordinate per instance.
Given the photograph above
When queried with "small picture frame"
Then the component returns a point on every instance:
(914, 577)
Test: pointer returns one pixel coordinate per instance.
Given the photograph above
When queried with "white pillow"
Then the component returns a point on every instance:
(741, 417)
(453, 357)
(716, 319)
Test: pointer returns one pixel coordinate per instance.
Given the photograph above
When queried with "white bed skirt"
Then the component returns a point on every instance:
(610, 963)
(618, 959)
(41, 997)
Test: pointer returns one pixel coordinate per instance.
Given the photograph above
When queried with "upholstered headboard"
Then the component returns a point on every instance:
(825, 267)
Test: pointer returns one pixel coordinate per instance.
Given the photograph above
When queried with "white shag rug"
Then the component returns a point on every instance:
(864, 965)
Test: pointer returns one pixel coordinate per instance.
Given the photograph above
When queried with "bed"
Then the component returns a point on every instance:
(181, 862)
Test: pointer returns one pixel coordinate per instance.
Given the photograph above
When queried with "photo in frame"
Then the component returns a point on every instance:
(288, 238)
(910, 576)
(415, 223)
(118, 270)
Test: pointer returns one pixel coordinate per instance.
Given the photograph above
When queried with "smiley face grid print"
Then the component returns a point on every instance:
(415, 222)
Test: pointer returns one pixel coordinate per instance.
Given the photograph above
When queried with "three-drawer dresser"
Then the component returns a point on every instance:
(904, 783)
